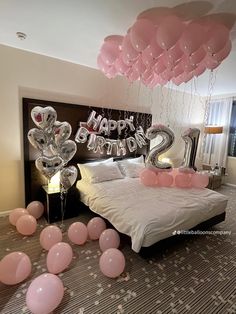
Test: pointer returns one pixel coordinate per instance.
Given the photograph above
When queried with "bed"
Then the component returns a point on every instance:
(149, 214)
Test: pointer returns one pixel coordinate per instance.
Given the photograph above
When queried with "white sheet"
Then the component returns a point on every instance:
(150, 214)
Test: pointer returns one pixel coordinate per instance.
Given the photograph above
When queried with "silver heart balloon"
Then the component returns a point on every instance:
(68, 177)
(38, 139)
(49, 166)
(44, 117)
(62, 131)
(67, 150)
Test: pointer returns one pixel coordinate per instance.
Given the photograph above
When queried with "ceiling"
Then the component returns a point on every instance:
(73, 30)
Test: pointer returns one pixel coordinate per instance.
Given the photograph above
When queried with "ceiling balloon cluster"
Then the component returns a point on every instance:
(165, 49)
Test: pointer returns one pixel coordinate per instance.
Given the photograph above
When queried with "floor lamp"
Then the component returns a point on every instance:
(213, 129)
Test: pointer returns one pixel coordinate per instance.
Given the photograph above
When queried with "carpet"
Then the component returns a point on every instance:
(195, 275)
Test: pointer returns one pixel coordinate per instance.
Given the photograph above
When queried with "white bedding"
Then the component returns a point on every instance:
(150, 214)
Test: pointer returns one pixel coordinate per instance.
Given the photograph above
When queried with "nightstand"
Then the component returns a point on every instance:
(52, 204)
(215, 179)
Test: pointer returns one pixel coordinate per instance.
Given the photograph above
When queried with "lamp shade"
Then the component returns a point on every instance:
(213, 129)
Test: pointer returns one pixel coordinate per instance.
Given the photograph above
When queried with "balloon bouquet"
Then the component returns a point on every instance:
(51, 139)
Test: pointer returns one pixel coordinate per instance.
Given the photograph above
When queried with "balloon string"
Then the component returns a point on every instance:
(63, 207)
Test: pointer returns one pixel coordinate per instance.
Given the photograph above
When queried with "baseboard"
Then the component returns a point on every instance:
(4, 213)
(230, 184)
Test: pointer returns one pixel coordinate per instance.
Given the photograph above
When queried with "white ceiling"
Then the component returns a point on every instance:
(73, 30)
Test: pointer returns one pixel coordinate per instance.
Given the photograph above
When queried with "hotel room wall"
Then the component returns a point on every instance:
(25, 74)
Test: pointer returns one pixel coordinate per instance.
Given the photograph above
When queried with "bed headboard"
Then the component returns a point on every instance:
(74, 114)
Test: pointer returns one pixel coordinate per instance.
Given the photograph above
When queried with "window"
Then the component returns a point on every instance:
(232, 132)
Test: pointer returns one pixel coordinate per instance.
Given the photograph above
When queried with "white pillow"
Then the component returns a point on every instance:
(132, 169)
(94, 163)
(102, 172)
(122, 163)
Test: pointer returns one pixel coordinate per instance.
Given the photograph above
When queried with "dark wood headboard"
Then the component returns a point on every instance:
(74, 114)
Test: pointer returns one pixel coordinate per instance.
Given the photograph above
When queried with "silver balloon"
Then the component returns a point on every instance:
(140, 140)
(68, 177)
(121, 125)
(49, 166)
(81, 135)
(38, 139)
(131, 143)
(92, 141)
(67, 150)
(191, 138)
(62, 131)
(121, 147)
(44, 117)
(130, 123)
(100, 142)
(110, 145)
(112, 125)
(92, 121)
(103, 128)
(167, 140)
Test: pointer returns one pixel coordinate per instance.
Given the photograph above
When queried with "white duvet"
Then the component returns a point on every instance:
(150, 214)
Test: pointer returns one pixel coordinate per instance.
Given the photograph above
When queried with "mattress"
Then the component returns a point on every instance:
(150, 214)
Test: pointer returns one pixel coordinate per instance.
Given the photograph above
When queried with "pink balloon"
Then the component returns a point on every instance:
(199, 180)
(167, 75)
(175, 53)
(95, 227)
(177, 80)
(217, 37)
(14, 268)
(16, 214)
(26, 225)
(200, 69)
(35, 209)
(121, 67)
(50, 236)
(148, 177)
(197, 56)
(169, 32)
(187, 66)
(117, 39)
(178, 69)
(183, 180)
(132, 75)
(109, 52)
(141, 34)
(159, 67)
(109, 239)
(210, 63)
(161, 81)
(167, 61)
(147, 74)
(59, 257)
(78, 233)
(112, 72)
(102, 65)
(187, 76)
(139, 66)
(112, 263)
(44, 294)
(154, 49)
(165, 179)
(147, 58)
(223, 53)
(128, 51)
(192, 38)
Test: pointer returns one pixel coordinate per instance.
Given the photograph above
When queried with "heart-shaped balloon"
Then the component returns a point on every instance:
(43, 117)
(67, 150)
(38, 139)
(62, 131)
(68, 177)
(49, 166)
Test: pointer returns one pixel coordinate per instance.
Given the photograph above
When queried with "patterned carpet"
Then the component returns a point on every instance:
(196, 275)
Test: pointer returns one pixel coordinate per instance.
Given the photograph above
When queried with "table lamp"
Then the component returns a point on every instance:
(213, 129)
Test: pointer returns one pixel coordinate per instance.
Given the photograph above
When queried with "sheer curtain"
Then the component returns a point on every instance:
(216, 145)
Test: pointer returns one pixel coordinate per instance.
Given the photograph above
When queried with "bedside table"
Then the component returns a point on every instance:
(215, 180)
(52, 204)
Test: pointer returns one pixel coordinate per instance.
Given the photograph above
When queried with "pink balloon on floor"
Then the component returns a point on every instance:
(148, 177)
(50, 236)
(59, 257)
(16, 214)
(26, 225)
(109, 239)
(199, 180)
(183, 180)
(112, 263)
(35, 209)
(44, 294)
(165, 179)
(78, 233)
(95, 227)
(14, 268)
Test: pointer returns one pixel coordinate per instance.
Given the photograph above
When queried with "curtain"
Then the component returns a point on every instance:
(216, 145)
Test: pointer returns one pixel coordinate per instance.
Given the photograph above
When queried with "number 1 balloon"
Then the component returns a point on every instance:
(191, 138)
